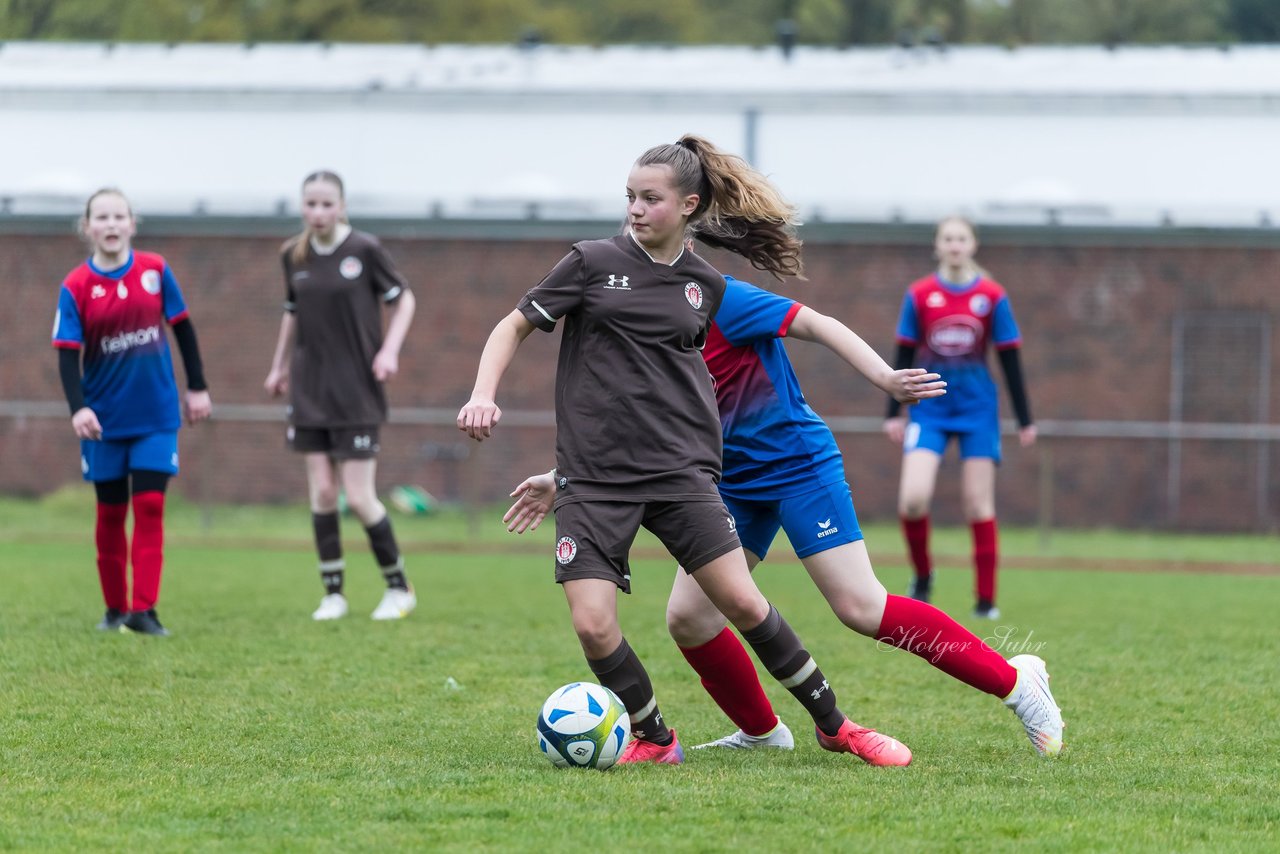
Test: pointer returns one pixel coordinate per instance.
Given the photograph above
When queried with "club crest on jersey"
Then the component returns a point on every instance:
(566, 550)
(151, 281)
(350, 267)
(693, 293)
(935, 300)
(617, 283)
(121, 291)
(98, 292)
(980, 305)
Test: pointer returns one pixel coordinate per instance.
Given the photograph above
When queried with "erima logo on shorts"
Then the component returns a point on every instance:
(566, 550)
(826, 529)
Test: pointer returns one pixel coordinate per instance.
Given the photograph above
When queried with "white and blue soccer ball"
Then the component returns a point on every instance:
(583, 725)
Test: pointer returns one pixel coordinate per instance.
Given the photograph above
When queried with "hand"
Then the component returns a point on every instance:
(198, 406)
(910, 385)
(478, 418)
(385, 365)
(277, 382)
(1027, 435)
(85, 424)
(895, 429)
(533, 501)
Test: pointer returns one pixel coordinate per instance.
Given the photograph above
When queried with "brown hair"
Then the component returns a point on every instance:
(300, 244)
(738, 208)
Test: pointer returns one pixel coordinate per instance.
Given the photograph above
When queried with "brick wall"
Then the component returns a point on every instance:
(1097, 312)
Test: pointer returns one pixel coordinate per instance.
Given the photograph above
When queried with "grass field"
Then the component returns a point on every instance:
(255, 729)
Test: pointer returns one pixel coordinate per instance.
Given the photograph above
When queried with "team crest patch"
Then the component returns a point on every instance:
(980, 305)
(693, 293)
(151, 281)
(566, 550)
(350, 267)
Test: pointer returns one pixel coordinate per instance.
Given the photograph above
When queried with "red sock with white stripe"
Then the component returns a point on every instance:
(730, 677)
(922, 629)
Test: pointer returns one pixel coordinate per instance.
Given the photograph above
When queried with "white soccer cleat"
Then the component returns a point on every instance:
(1032, 702)
(779, 738)
(332, 607)
(395, 605)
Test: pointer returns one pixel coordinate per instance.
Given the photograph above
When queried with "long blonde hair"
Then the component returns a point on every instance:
(738, 208)
(299, 245)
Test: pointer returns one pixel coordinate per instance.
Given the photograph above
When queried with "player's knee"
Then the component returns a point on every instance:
(913, 506)
(324, 498)
(861, 612)
(596, 633)
(690, 628)
(367, 508)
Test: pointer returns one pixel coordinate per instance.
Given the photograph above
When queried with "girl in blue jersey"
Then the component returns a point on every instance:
(112, 310)
(782, 469)
(948, 320)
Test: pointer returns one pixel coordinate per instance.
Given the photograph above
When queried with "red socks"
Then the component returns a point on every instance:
(916, 533)
(984, 559)
(922, 629)
(148, 548)
(730, 678)
(113, 555)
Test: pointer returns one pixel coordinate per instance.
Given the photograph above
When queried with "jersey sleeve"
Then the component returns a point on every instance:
(175, 307)
(68, 330)
(556, 295)
(388, 283)
(290, 298)
(749, 313)
(908, 322)
(1004, 329)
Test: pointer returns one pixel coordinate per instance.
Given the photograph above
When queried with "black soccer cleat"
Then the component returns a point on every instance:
(985, 609)
(145, 623)
(111, 621)
(920, 587)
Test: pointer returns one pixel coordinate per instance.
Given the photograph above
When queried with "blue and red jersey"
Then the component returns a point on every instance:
(117, 317)
(952, 325)
(775, 445)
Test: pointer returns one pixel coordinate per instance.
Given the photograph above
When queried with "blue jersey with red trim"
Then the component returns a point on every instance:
(951, 326)
(775, 445)
(117, 317)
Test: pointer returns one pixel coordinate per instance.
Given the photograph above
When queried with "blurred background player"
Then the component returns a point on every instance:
(948, 320)
(112, 310)
(637, 432)
(332, 359)
(783, 469)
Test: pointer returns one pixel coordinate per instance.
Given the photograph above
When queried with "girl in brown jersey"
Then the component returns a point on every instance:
(332, 358)
(638, 433)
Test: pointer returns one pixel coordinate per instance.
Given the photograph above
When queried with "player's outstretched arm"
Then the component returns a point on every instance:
(481, 414)
(905, 386)
(533, 499)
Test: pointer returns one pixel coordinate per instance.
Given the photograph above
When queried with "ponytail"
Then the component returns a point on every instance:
(738, 208)
(299, 246)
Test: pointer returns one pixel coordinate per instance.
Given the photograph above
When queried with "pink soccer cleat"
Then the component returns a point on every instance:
(640, 750)
(866, 744)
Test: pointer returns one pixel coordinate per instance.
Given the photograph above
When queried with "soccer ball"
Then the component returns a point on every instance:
(583, 725)
(412, 500)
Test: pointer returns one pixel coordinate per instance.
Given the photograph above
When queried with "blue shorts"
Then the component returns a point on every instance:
(983, 443)
(814, 522)
(114, 459)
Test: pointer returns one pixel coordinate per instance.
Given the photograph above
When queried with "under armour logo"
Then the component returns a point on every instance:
(363, 443)
(733, 525)
(817, 692)
(618, 283)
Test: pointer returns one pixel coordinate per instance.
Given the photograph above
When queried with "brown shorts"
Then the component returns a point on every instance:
(341, 443)
(593, 538)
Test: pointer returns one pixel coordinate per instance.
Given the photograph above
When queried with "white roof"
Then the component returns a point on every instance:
(1132, 135)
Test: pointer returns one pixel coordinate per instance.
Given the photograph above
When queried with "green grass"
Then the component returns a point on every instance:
(255, 729)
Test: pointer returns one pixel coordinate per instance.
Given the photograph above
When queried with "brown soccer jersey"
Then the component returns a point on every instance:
(636, 414)
(337, 301)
